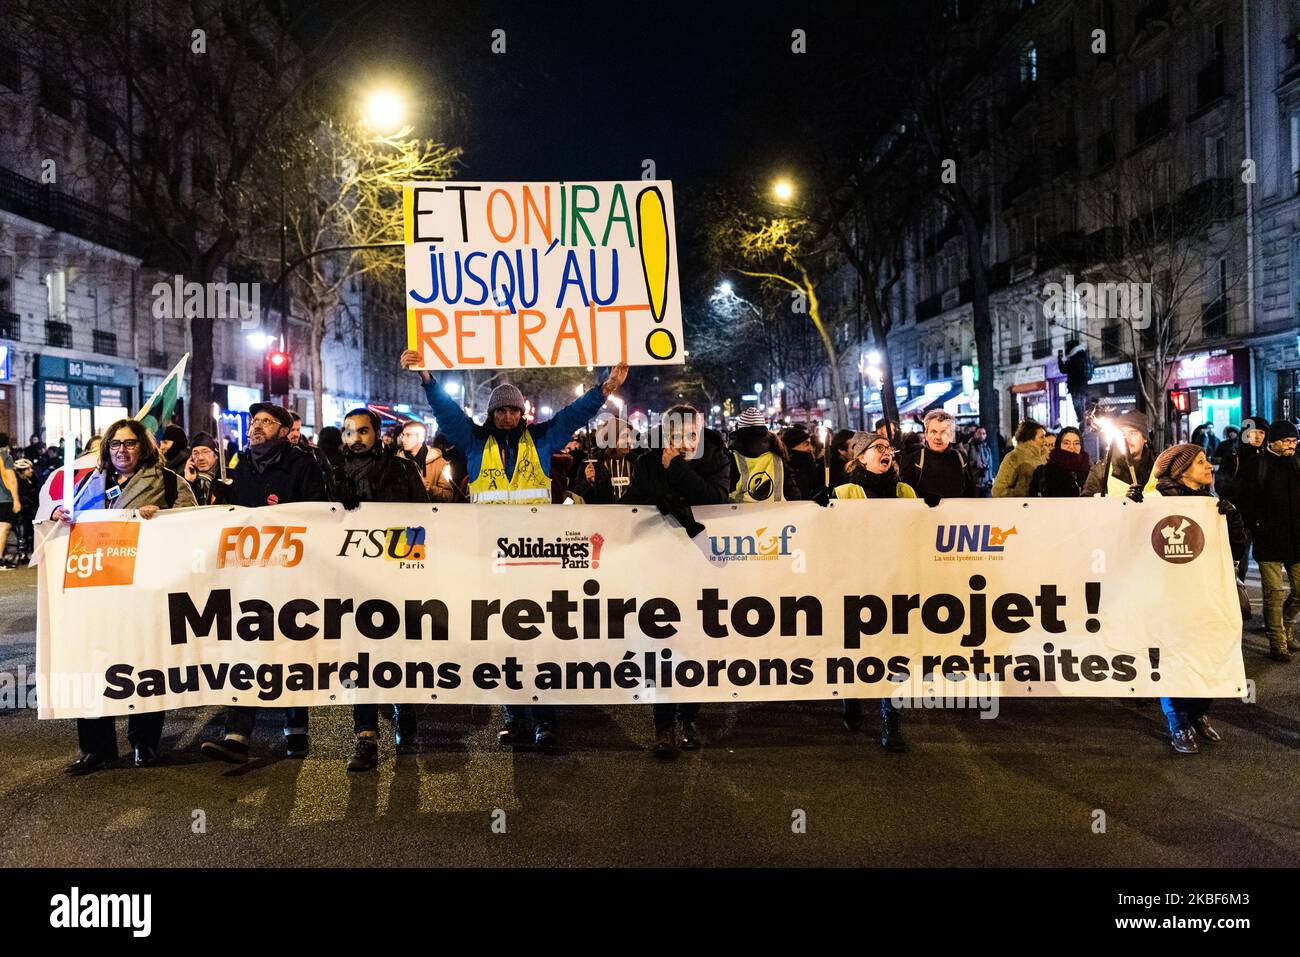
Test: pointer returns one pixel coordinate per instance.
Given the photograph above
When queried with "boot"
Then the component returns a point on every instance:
(891, 738)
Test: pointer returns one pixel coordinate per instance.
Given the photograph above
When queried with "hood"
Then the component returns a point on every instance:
(752, 441)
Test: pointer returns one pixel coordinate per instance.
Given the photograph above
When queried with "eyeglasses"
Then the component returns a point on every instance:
(129, 444)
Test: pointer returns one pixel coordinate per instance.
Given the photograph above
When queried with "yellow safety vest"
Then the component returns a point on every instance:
(1115, 488)
(853, 490)
(530, 485)
(762, 479)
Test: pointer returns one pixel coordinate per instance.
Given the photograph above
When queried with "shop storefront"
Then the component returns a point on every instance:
(1114, 387)
(1217, 379)
(81, 398)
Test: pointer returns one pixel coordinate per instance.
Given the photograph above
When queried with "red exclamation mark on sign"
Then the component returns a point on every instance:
(1092, 595)
(596, 541)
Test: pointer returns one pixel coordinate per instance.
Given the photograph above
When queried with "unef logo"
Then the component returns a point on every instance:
(1177, 539)
(402, 545)
(101, 553)
(760, 546)
(279, 545)
(971, 538)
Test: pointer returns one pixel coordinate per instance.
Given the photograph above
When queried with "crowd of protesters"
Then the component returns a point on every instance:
(509, 460)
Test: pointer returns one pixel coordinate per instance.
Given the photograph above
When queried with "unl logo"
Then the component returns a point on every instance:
(1177, 539)
(101, 553)
(971, 538)
(279, 545)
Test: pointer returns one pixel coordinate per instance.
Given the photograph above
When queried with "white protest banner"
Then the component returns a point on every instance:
(314, 605)
(541, 275)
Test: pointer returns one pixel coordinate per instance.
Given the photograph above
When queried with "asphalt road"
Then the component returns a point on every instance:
(1021, 790)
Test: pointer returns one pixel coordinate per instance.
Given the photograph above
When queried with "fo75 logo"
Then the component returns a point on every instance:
(268, 545)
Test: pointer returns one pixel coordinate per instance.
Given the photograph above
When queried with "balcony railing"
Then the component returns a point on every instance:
(1042, 348)
(1152, 119)
(11, 326)
(104, 343)
(38, 202)
(58, 334)
(1214, 319)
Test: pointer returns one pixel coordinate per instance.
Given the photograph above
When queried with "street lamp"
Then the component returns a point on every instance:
(725, 288)
(783, 189)
(384, 111)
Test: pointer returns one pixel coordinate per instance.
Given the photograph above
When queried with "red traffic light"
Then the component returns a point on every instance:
(1182, 400)
(278, 359)
(277, 372)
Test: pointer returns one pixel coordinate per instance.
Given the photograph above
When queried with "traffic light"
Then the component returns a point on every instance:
(1183, 400)
(277, 368)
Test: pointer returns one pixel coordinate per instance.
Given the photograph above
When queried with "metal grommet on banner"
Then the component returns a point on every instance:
(333, 697)
(435, 508)
(534, 509)
(535, 697)
(433, 697)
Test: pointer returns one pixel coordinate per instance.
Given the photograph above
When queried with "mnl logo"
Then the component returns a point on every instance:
(101, 553)
(1177, 539)
(402, 545)
(760, 546)
(570, 550)
(971, 538)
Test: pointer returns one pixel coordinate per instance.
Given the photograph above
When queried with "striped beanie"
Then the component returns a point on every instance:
(751, 416)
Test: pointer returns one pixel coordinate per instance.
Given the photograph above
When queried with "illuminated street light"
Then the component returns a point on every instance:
(784, 190)
(384, 111)
(725, 288)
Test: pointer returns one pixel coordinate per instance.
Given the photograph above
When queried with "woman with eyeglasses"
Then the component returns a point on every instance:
(130, 475)
(871, 474)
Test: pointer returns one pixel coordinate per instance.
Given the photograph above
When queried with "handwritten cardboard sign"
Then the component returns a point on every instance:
(536, 275)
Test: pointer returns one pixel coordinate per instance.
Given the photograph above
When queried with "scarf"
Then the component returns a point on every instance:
(264, 453)
(364, 472)
(877, 484)
(1070, 461)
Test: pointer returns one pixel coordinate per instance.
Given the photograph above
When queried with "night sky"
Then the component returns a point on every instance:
(588, 90)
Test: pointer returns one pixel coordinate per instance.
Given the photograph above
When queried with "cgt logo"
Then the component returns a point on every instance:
(101, 553)
(402, 545)
(971, 538)
(757, 547)
(248, 545)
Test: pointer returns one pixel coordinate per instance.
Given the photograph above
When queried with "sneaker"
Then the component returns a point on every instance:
(545, 738)
(1293, 644)
(512, 733)
(1184, 742)
(365, 754)
(1205, 730)
(296, 745)
(227, 749)
(691, 739)
(666, 744)
(1280, 654)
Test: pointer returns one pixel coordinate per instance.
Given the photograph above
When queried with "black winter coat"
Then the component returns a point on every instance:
(399, 480)
(1267, 491)
(942, 474)
(701, 481)
(753, 441)
(291, 476)
(1237, 539)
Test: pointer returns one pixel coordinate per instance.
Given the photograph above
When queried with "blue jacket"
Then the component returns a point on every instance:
(549, 437)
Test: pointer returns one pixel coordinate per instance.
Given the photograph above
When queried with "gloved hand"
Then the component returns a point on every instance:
(350, 501)
(1134, 493)
(822, 497)
(1226, 507)
(931, 500)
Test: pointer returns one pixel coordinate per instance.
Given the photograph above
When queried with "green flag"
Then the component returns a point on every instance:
(161, 406)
